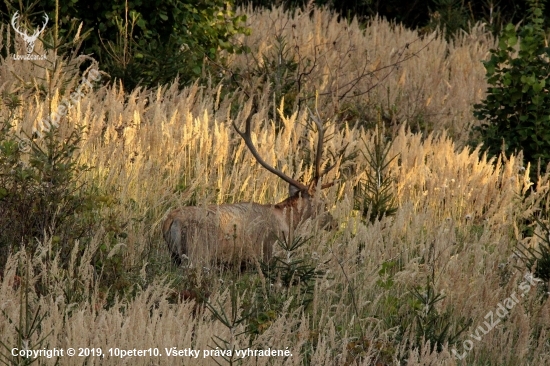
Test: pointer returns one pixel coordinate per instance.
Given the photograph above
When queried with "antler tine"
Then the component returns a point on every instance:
(336, 157)
(246, 136)
(328, 185)
(319, 152)
(38, 30)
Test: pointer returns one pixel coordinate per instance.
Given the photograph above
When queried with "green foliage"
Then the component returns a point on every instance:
(149, 42)
(290, 270)
(231, 321)
(516, 111)
(40, 192)
(452, 15)
(430, 324)
(286, 277)
(177, 38)
(29, 324)
(287, 284)
(281, 70)
(387, 273)
(417, 313)
(374, 195)
(45, 201)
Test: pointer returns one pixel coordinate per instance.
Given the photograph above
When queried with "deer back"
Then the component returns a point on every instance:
(226, 233)
(234, 232)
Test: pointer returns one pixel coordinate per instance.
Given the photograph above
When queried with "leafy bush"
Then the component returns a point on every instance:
(516, 111)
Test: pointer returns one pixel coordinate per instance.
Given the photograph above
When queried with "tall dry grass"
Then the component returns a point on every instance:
(154, 149)
(349, 66)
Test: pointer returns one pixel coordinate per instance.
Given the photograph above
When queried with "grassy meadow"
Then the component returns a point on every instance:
(385, 291)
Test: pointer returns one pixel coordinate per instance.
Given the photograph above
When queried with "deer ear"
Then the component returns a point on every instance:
(292, 190)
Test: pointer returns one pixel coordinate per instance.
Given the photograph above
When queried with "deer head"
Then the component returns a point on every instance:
(300, 200)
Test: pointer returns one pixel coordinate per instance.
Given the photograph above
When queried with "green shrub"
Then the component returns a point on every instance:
(147, 42)
(291, 270)
(288, 282)
(374, 195)
(450, 15)
(176, 39)
(279, 68)
(418, 314)
(516, 111)
(44, 199)
(40, 194)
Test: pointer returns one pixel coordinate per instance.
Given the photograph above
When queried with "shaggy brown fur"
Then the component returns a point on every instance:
(240, 232)
(234, 233)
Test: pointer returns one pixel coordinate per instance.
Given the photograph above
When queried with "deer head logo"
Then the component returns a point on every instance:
(29, 40)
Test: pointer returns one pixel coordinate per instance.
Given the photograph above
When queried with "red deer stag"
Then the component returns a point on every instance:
(239, 232)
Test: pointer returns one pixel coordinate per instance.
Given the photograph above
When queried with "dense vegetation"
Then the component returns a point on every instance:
(442, 216)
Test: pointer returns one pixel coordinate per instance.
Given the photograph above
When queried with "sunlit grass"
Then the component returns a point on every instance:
(156, 149)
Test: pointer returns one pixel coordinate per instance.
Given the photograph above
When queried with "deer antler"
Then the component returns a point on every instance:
(248, 141)
(320, 142)
(319, 152)
(338, 157)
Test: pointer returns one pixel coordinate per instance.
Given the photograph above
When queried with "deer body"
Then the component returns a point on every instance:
(243, 231)
(232, 233)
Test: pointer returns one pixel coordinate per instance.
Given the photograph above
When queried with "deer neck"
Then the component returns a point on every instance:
(294, 209)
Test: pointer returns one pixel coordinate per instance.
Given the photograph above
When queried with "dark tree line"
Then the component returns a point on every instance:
(422, 14)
